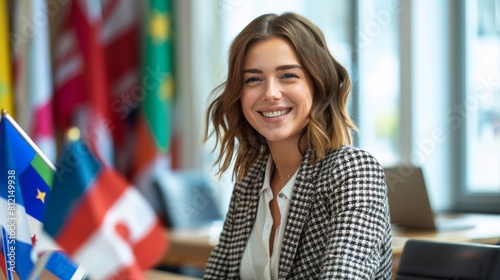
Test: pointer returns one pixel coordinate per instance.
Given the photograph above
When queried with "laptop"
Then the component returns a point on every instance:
(409, 202)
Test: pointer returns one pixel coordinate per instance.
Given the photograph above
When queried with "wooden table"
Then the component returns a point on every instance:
(161, 275)
(190, 247)
(193, 247)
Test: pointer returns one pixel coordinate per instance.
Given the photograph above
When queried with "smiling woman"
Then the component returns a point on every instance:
(306, 203)
(277, 94)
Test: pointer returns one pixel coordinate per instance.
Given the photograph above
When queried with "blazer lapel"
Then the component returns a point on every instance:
(300, 206)
(247, 211)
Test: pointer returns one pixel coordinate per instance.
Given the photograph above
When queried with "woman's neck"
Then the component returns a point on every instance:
(286, 160)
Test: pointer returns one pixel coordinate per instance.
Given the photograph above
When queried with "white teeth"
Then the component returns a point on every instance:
(275, 113)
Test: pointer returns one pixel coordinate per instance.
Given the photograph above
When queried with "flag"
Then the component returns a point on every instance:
(121, 39)
(154, 126)
(19, 39)
(99, 220)
(6, 99)
(82, 90)
(31, 175)
(115, 53)
(57, 265)
(16, 239)
(33, 69)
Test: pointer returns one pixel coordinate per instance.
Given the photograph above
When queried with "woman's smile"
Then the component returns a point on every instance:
(275, 114)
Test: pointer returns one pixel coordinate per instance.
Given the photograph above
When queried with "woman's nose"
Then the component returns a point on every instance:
(272, 91)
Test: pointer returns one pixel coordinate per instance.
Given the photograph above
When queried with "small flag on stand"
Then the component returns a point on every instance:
(99, 220)
(26, 179)
(16, 239)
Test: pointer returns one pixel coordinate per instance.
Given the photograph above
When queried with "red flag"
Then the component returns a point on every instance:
(121, 37)
(82, 89)
(96, 68)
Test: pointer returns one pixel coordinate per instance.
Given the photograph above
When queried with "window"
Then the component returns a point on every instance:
(482, 97)
(379, 89)
(477, 113)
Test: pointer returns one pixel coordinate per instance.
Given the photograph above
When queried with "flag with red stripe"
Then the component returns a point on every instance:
(115, 53)
(82, 87)
(121, 38)
(92, 211)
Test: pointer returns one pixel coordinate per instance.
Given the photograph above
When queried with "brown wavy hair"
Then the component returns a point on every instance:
(329, 126)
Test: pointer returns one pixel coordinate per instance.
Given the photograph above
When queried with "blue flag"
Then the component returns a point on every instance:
(16, 239)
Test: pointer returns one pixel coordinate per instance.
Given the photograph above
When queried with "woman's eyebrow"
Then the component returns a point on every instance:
(288, 66)
(279, 68)
(252, 70)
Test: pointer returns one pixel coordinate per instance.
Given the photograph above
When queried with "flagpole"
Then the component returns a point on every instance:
(27, 138)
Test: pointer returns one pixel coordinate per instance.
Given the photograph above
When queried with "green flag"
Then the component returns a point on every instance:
(155, 124)
(157, 105)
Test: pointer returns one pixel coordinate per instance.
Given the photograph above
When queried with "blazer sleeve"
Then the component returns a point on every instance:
(359, 244)
(218, 262)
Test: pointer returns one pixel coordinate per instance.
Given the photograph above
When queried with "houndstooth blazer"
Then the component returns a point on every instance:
(338, 225)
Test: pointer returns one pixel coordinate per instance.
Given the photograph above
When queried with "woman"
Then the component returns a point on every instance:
(306, 204)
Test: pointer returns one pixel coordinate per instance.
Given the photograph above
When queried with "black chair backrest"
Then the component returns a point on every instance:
(439, 260)
(189, 199)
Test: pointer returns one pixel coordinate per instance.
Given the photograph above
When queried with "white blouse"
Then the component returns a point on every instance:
(256, 262)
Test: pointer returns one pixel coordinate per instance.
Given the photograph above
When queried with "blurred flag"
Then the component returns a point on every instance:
(155, 120)
(121, 39)
(25, 192)
(93, 212)
(16, 239)
(19, 39)
(96, 70)
(56, 265)
(5, 63)
(82, 92)
(33, 74)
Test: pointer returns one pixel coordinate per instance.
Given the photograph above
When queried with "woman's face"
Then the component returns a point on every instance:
(277, 93)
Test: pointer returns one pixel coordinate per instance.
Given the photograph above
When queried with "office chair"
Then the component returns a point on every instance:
(188, 199)
(438, 260)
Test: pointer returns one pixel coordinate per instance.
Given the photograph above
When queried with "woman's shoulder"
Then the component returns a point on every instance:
(350, 156)
(349, 175)
(347, 162)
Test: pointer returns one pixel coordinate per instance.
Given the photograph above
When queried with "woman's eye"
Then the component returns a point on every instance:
(289, 76)
(252, 79)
